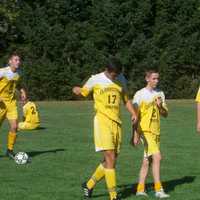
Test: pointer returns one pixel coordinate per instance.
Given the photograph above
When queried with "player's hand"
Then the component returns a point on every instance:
(135, 140)
(134, 119)
(159, 102)
(76, 90)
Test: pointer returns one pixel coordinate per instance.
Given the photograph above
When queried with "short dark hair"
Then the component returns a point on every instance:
(114, 65)
(150, 71)
(13, 54)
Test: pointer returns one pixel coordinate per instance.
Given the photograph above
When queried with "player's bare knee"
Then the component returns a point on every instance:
(14, 128)
(109, 159)
(157, 157)
(145, 162)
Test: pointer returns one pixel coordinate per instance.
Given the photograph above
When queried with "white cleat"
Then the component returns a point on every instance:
(144, 194)
(161, 194)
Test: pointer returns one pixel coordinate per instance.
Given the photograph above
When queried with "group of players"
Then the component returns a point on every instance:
(109, 88)
(9, 76)
(148, 104)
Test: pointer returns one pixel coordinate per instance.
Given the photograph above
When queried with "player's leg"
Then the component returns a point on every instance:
(99, 172)
(110, 173)
(27, 126)
(112, 146)
(22, 126)
(96, 177)
(12, 116)
(12, 136)
(147, 141)
(142, 177)
(156, 159)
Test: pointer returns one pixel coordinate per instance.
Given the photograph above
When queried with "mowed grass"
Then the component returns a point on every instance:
(63, 155)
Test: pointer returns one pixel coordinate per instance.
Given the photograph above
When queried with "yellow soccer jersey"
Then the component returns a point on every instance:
(198, 96)
(8, 80)
(149, 119)
(107, 94)
(31, 114)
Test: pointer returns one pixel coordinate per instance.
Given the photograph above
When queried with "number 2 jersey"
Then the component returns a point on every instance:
(107, 94)
(149, 115)
(31, 114)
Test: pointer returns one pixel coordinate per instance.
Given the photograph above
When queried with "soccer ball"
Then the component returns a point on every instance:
(21, 158)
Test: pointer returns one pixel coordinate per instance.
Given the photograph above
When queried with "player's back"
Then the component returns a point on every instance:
(31, 113)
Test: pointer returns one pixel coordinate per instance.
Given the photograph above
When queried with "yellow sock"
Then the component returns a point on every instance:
(110, 177)
(157, 186)
(97, 176)
(140, 187)
(11, 140)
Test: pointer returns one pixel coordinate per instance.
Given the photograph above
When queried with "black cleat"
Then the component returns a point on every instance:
(86, 191)
(10, 154)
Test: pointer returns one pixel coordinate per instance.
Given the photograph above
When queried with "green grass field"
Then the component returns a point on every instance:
(63, 156)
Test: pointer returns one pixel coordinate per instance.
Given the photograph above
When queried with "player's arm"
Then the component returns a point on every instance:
(161, 104)
(198, 117)
(85, 90)
(132, 111)
(135, 134)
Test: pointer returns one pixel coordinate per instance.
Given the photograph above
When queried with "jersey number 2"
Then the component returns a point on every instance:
(33, 110)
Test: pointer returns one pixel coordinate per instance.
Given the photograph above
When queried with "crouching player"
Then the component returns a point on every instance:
(150, 103)
(109, 88)
(30, 113)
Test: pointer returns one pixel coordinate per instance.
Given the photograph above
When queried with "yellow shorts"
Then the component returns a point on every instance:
(8, 110)
(107, 134)
(27, 126)
(151, 143)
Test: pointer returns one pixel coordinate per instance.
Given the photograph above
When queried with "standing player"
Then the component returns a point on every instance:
(9, 77)
(30, 113)
(150, 103)
(109, 88)
(198, 110)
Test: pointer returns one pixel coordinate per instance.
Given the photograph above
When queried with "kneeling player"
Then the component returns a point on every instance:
(150, 103)
(31, 117)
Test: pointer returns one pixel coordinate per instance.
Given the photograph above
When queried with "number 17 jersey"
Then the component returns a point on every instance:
(107, 94)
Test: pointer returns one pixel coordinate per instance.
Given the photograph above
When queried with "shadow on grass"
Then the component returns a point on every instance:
(36, 153)
(130, 189)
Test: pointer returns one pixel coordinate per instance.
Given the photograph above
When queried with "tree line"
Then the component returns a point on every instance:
(63, 42)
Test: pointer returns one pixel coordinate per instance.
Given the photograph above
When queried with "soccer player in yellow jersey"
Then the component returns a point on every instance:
(30, 113)
(9, 77)
(151, 104)
(109, 88)
(198, 110)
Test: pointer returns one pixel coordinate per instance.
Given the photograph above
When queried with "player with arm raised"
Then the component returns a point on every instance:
(150, 103)
(109, 88)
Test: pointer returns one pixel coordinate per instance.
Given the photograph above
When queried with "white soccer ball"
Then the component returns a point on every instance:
(21, 158)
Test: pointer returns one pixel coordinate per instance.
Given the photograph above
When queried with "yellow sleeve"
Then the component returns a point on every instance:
(88, 87)
(198, 96)
(85, 91)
